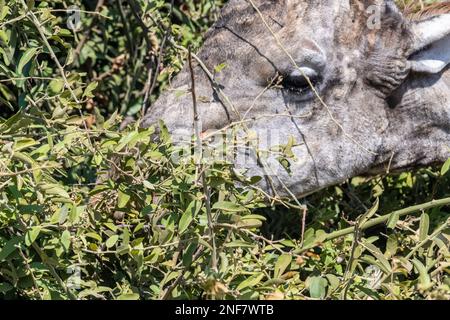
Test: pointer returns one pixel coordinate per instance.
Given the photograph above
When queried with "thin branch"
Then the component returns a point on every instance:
(206, 189)
(17, 173)
(379, 220)
(304, 212)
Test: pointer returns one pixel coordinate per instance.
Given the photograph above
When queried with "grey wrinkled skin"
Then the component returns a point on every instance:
(389, 115)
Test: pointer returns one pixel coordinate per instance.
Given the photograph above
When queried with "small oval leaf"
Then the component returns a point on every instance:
(112, 241)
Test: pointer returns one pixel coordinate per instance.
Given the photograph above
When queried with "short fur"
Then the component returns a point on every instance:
(378, 115)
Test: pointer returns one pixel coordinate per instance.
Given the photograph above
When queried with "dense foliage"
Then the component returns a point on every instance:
(154, 230)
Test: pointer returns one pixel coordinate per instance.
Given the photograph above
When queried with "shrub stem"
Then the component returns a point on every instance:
(201, 169)
(381, 219)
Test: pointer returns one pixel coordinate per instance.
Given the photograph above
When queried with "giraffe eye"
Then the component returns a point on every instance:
(296, 81)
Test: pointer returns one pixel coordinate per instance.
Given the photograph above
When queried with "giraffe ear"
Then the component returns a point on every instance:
(430, 30)
(431, 48)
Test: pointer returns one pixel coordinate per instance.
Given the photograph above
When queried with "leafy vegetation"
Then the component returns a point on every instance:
(147, 231)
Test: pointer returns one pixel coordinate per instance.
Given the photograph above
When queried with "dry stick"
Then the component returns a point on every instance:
(147, 33)
(5, 184)
(202, 172)
(14, 20)
(13, 174)
(308, 80)
(380, 219)
(441, 268)
(95, 13)
(27, 78)
(252, 235)
(269, 85)
(304, 212)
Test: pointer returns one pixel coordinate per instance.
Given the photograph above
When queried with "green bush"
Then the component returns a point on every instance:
(153, 230)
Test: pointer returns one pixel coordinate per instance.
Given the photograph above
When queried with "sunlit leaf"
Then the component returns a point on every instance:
(250, 281)
(32, 235)
(112, 241)
(25, 58)
(424, 226)
(282, 263)
(318, 287)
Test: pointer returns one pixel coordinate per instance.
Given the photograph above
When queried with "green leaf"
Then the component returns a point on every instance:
(89, 89)
(125, 140)
(55, 87)
(9, 247)
(164, 135)
(128, 296)
(424, 226)
(317, 287)
(112, 241)
(26, 57)
(239, 244)
(56, 190)
(5, 287)
(391, 246)
(123, 199)
(94, 236)
(333, 280)
(228, 206)
(4, 11)
(254, 217)
(111, 121)
(250, 282)
(249, 224)
(282, 263)
(24, 143)
(187, 217)
(383, 262)
(366, 216)
(392, 220)
(24, 158)
(424, 278)
(285, 164)
(220, 67)
(65, 240)
(32, 235)
(320, 236)
(446, 167)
